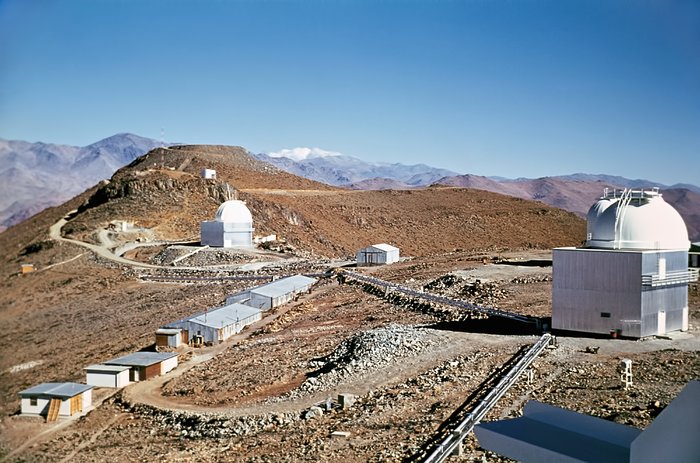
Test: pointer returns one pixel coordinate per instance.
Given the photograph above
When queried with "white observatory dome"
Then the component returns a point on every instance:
(234, 211)
(635, 219)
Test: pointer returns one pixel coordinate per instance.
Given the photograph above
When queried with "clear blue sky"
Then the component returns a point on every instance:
(510, 88)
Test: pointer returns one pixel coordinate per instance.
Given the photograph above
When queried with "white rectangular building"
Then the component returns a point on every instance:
(146, 365)
(100, 375)
(56, 400)
(217, 325)
(279, 292)
(377, 254)
(169, 337)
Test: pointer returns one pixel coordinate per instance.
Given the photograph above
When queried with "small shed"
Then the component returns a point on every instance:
(56, 400)
(377, 254)
(219, 324)
(100, 375)
(27, 268)
(146, 365)
(209, 174)
(170, 337)
(279, 291)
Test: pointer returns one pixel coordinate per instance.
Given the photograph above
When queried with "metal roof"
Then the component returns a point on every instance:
(64, 390)
(224, 316)
(141, 359)
(103, 367)
(383, 247)
(168, 331)
(284, 286)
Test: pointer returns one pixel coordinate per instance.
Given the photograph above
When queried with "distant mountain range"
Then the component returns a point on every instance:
(345, 171)
(574, 193)
(34, 176)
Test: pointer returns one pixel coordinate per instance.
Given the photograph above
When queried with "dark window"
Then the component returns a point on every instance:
(33, 401)
(605, 314)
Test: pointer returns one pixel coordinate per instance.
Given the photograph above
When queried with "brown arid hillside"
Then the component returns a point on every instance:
(163, 191)
(80, 308)
(576, 196)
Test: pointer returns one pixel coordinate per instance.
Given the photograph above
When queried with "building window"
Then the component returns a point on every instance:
(605, 314)
(33, 401)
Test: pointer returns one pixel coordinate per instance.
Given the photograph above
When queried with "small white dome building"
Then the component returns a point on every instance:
(631, 278)
(232, 227)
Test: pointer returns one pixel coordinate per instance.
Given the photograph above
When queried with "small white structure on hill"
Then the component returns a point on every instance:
(170, 337)
(377, 254)
(232, 227)
(209, 174)
(100, 375)
(56, 400)
(217, 325)
(146, 365)
(631, 278)
(274, 294)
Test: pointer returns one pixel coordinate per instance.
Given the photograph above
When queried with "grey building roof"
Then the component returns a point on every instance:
(383, 247)
(62, 390)
(141, 359)
(224, 316)
(547, 433)
(284, 286)
(168, 331)
(106, 368)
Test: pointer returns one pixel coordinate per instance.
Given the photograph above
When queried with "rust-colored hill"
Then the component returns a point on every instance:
(163, 191)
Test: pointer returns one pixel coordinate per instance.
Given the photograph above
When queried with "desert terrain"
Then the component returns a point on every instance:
(414, 371)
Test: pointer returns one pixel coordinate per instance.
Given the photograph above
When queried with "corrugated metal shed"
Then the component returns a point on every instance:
(377, 254)
(141, 359)
(63, 390)
(219, 324)
(279, 292)
(284, 286)
(224, 316)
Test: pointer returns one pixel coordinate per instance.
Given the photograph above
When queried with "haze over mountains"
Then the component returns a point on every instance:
(34, 176)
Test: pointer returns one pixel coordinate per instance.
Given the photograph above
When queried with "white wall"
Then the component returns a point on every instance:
(107, 378)
(41, 407)
(167, 365)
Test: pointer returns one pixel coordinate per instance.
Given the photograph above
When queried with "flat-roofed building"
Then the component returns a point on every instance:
(217, 325)
(146, 365)
(100, 375)
(377, 254)
(279, 291)
(56, 400)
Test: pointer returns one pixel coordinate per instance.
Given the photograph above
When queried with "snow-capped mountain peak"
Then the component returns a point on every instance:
(303, 153)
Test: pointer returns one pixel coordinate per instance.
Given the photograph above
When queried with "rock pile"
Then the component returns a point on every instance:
(192, 425)
(482, 293)
(365, 352)
(442, 283)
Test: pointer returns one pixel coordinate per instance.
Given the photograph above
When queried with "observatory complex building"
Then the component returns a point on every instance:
(231, 228)
(631, 277)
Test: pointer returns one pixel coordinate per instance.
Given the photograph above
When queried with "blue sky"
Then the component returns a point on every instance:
(509, 88)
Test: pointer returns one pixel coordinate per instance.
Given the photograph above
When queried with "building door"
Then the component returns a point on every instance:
(661, 318)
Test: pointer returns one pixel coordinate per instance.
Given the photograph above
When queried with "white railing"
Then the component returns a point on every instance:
(675, 277)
